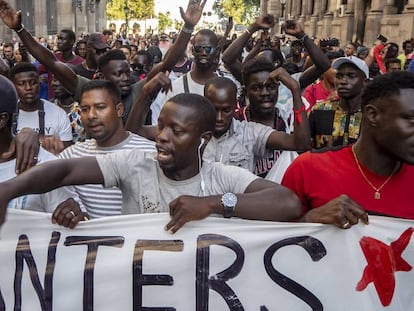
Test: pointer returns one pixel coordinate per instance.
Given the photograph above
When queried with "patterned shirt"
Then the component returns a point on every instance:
(332, 126)
(74, 115)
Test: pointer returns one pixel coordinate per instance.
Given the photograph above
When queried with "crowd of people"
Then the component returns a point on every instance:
(194, 125)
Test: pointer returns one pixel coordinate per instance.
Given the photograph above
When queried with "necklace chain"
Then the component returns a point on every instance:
(377, 194)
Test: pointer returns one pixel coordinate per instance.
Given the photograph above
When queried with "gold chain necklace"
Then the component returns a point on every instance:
(377, 194)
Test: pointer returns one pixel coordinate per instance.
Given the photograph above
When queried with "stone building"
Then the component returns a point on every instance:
(47, 17)
(357, 20)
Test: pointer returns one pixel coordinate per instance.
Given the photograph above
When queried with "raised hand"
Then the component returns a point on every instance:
(280, 74)
(161, 81)
(265, 22)
(293, 28)
(10, 16)
(193, 13)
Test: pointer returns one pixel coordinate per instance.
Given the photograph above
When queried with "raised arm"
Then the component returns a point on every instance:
(59, 173)
(223, 39)
(300, 139)
(231, 54)
(63, 73)
(320, 61)
(190, 17)
(254, 51)
(182, 209)
(139, 111)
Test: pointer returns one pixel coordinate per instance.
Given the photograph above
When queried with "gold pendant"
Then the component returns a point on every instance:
(377, 195)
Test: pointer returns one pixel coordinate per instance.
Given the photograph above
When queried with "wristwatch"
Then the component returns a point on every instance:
(229, 201)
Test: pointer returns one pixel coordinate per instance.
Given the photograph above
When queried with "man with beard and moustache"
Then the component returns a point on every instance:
(101, 113)
(116, 67)
(376, 173)
(65, 42)
(337, 122)
(174, 179)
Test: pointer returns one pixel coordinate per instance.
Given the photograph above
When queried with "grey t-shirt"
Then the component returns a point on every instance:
(240, 145)
(145, 188)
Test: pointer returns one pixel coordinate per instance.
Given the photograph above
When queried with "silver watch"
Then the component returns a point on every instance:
(229, 201)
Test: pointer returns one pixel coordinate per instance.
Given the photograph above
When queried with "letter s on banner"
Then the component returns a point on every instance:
(315, 249)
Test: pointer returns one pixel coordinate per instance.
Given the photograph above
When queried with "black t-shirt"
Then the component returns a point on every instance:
(82, 71)
(155, 53)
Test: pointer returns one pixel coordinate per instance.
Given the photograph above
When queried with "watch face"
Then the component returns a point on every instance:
(229, 199)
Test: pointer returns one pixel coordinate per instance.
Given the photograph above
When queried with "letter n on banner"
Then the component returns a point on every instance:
(23, 253)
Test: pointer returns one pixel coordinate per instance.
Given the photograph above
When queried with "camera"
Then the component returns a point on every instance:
(382, 38)
(329, 42)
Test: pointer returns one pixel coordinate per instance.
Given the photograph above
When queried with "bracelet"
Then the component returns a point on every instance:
(20, 29)
(187, 30)
(298, 117)
(303, 38)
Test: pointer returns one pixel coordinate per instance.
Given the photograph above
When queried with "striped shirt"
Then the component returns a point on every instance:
(100, 201)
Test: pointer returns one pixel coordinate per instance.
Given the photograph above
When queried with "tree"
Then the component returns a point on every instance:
(139, 9)
(164, 21)
(243, 11)
(178, 24)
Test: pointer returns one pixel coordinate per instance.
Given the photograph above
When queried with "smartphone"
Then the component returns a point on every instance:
(230, 19)
(382, 38)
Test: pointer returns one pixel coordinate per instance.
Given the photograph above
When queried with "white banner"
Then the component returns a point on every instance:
(131, 263)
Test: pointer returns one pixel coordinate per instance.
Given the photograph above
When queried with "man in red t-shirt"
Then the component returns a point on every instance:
(374, 175)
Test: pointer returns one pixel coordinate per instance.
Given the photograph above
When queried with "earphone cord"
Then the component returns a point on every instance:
(203, 188)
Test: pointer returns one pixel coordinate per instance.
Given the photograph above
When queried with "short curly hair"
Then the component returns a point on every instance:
(386, 85)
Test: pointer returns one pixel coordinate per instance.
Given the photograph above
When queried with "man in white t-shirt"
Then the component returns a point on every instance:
(60, 198)
(205, 63)
(175, 178)
(44, 117)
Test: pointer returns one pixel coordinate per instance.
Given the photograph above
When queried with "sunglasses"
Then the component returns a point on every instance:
(200, 48)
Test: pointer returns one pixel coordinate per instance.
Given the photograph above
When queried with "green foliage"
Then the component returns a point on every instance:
(139, 9)
(178, 24)
(164, 21)
(243, 11)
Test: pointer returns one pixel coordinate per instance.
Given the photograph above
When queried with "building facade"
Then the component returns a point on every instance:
(348, 20)
(46, 17)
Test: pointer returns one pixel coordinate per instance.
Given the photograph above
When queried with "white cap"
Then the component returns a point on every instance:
(353, 60)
